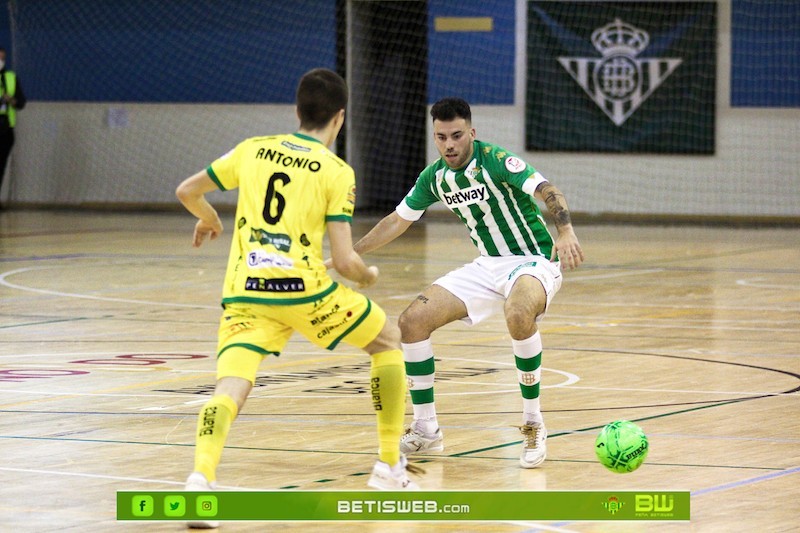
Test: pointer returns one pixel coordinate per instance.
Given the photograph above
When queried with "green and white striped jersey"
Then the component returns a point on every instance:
(493, 197)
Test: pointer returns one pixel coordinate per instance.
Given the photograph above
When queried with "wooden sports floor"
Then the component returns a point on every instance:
(107, 336)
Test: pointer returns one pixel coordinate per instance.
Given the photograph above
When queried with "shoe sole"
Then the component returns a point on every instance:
(379, 485)
(202, 525)
(525, 464)
(439, 448)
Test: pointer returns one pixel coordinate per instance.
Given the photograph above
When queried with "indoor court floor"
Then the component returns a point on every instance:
(108, 332)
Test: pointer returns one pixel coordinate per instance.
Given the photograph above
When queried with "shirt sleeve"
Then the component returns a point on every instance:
(224, 171)
(532, 183)
(342, 196)
(406, 212)
(517, 172)
(421, 196)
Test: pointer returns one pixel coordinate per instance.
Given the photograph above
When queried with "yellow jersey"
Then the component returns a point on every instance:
(290, 186)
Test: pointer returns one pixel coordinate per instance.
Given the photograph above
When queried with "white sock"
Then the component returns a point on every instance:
(426, 425)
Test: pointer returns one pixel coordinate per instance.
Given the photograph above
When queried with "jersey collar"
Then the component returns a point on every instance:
(307, 137)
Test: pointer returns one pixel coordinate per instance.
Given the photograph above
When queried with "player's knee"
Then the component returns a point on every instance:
(387, 339)
(412, 325)
(521, 321)
(235, 388)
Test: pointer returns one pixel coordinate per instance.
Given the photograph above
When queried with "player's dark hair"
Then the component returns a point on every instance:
(448, 109)
(321, 94)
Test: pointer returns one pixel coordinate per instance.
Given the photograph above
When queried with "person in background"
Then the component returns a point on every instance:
(12, 99)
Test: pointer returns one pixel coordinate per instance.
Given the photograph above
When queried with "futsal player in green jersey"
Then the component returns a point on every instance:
(291, 189)
(492, 192)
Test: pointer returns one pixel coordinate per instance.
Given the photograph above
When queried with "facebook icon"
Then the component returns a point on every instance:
(142, 505)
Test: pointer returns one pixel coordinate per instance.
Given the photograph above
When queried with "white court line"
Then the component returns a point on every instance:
(92, 476)
(687, 320)
(97, 355)
(571, 279)
(628, 323)
(679, 391)
(755, 284)
(655, 303)
(103, 476)
(6, 283)
(592, 277)
(341, 396)
(98, 394)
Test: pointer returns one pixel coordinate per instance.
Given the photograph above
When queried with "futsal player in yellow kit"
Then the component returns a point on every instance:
(291, 189)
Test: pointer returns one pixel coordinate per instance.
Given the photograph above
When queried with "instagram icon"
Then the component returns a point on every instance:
(207, 505)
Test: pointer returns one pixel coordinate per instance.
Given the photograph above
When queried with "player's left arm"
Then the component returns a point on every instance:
(566, 248)
(192, 194)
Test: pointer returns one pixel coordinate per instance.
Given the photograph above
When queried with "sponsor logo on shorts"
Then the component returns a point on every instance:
(324, 332)
(275, 285)
(523, 265)
(325, 316)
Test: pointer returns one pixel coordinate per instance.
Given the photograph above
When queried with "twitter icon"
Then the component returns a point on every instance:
(174, 505)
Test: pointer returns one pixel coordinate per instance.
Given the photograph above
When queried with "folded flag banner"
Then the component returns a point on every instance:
(621, 77)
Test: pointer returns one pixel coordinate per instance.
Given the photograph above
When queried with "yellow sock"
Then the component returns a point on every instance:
(213, 424)
(388, 385)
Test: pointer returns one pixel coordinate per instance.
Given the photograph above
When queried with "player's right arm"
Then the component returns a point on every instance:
(191, 192)
(384, 232)
(345, 259)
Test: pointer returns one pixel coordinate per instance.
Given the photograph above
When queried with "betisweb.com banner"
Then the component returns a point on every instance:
(621, 76)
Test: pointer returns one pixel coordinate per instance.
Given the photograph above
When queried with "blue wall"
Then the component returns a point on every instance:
(765, 53)
(244, 51)
(476, 66)
(253, 51)
(5, 34)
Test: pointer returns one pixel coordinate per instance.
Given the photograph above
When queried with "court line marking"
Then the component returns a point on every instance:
(744, 482)
(699, 492)
(581, 278)
(6, 283)
(755, 284)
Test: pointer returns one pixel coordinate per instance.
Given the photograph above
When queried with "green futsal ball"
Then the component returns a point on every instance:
(621, 446)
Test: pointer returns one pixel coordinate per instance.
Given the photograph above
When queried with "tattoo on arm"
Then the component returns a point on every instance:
(556, 204)
(422, 299)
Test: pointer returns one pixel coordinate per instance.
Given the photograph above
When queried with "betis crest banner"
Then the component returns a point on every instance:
(621, 77)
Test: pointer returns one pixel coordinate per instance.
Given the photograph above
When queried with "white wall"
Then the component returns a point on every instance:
(76, 154)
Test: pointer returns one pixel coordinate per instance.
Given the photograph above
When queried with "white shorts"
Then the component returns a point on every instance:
(484, 284)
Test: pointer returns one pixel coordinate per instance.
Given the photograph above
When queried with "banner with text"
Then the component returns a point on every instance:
(403, 506)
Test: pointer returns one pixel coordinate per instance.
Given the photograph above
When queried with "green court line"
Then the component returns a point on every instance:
(640, 419)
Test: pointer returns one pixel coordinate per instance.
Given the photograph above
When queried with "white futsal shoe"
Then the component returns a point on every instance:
(415, 441)
(197, 482)
(385, 477)
(534, 447)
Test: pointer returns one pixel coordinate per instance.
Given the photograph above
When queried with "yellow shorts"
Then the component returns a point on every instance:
(248, 332)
